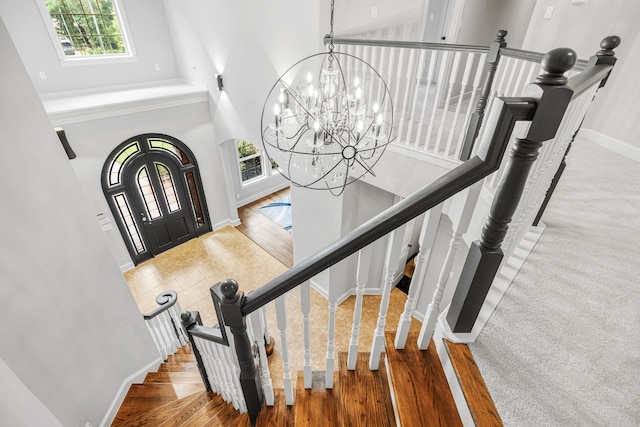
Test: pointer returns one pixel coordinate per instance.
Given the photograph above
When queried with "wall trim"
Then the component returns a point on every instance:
(262, 193)
(126, 266)
(136, 377)
(344, 296)
(610, 143)
(224, 223)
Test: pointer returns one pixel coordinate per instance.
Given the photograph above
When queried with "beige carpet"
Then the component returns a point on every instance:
(563, 346)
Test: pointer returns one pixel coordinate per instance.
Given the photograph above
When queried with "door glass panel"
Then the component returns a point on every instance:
(195, 199)
(147, 193)
(168, 187)
(129, 222)
(116, 166)
(163, 144)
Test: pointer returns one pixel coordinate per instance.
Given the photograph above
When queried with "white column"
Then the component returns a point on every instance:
(362, 276)
(281, 314)
(305, 303)
(394, 248)
(460, 227)
(331, 334)
(426, 241)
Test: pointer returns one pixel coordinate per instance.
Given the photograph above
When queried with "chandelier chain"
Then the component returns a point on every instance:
(331, 27)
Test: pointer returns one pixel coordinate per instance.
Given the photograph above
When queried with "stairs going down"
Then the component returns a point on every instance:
(175, 395)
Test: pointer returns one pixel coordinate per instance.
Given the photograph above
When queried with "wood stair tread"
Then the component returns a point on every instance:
(278, 415)
(420, 385)
(216, 412)
(315, 403)
(175, 377)
(157, 416)
(364, 398)
(179, 367)
(474, 389)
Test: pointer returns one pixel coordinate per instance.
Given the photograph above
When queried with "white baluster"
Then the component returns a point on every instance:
(463, 87)
(254, 321)
(305, 303)
(433, 310)
(445, 111)
(231, 360)
(331, 334)
(210, 365)
(472, 105)
(149, 324)
(430, 80)
(227, 373)
(426, 242)
(394, 247)
(281, 314)
(161, 339)
(398, 86)
(517, 88)
(362, 277)
(172, 339)
(439, 85)
(407, 94)
(417, 78)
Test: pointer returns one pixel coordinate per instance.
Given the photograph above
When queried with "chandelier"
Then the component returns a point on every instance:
(327, 129)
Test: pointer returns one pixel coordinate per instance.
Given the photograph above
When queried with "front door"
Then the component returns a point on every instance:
(158, 198)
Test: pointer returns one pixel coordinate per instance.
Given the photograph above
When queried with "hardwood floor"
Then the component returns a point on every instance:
(267, 234)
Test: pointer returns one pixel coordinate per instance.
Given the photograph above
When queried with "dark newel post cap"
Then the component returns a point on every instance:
(500, 36)
(229, 289)
(555, 63)
(186, 317)
(607, 45)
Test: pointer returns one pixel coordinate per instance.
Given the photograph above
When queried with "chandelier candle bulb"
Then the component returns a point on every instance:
(330, 127)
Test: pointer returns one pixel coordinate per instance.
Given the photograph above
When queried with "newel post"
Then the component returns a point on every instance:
(493, 58)
(249, 379)
(189, 320)
(605, 56)
(485, 255)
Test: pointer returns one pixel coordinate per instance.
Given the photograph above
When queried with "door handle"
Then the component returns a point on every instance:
(143, 217)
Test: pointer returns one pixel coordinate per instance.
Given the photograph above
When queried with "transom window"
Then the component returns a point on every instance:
(88, 28)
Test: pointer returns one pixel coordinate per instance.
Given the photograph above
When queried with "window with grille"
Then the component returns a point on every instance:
(88, 28)
(249, 160)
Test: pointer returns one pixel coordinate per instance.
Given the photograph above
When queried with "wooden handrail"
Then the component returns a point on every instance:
(459, 178)
(165, 301)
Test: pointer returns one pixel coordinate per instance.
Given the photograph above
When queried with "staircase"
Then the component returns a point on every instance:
(409, 389)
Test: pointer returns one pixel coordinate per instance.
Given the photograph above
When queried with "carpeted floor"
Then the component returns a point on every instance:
(563, 346)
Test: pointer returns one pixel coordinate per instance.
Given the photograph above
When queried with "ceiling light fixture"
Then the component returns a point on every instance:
(328, 129)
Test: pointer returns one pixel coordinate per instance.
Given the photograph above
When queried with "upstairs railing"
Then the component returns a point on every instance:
(548, 114)
(440, 90)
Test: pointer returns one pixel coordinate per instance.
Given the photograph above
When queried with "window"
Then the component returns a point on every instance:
(250, 161)
(88, 28)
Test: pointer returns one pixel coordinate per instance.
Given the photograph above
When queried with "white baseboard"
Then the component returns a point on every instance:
(452, 379)
(262, 194)
(611, 143)
(136, 377)
(222, 224)
(127, 266)
(322, 291)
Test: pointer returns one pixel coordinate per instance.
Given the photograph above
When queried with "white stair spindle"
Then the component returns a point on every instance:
(281, 314)
(463, 87)
(404, 113)
(433, 310)
(152, 331)
(453, 75)
(394, 248)
(430, 75)
(439, 84)
(305, 303)
(426, 242)
(232, 361)
(362, 276)
(331, 335)
(417, 77)
(472, 104)
(257, 326)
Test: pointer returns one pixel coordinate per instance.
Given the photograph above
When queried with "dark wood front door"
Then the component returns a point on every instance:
(158, 196)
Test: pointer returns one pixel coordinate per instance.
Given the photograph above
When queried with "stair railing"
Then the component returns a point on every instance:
(441, 90)
(165, 326)
(218, 364)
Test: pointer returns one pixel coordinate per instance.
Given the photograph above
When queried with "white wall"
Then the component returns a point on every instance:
(614, 112)
(148, 30)
(71, 331)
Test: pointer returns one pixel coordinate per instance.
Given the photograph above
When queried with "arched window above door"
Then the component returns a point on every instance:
(153, 187)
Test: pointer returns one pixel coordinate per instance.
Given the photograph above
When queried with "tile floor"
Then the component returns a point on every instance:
(193, 267)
